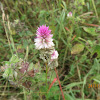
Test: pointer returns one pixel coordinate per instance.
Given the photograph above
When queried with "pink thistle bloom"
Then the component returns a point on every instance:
(44, 38)
(54, 55)
(69, 14)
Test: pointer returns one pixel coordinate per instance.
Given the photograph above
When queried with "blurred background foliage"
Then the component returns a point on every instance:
(76, 38)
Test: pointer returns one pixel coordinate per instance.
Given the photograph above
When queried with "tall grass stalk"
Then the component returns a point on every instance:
(3, 18)
(95, 9)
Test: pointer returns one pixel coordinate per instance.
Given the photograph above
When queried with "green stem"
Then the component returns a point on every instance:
(10, 35)
(46, 78)
(25, 97)
(95, 9)
(46, 74)
(47, 5)
(27, 51)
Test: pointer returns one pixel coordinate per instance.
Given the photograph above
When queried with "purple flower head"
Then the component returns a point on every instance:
(54, 55)
(44, 38)
(43, 31)
(69, 14)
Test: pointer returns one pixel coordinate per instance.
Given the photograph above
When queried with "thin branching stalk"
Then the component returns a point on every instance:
(60, 84)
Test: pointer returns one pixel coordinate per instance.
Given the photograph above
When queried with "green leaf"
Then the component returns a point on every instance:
(90, 30)
(77, 48)
(31, 66)
(72, 70)
(96, 64)
(97, 50)
(73, 85)
(68, 97)
(6, 62)
(14, 59)
(7, 72)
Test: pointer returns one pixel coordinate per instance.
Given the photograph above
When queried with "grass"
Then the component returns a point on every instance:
(76, 39)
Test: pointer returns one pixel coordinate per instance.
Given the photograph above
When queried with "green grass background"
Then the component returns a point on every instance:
(77, 40)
